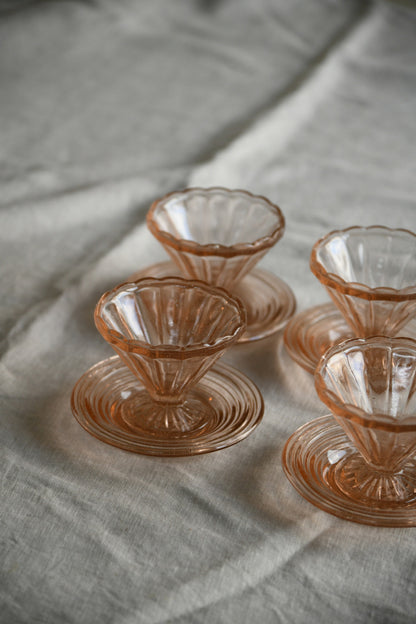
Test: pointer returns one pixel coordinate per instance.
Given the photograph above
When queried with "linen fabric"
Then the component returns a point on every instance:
(105, 106)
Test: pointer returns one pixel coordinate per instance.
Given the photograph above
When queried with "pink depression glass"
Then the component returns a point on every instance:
(169, 332)
(216, 235)
(370, 387)
(161, 396)
(360, 462)
(370, 273)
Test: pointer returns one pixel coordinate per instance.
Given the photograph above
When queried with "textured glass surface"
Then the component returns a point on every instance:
(370, 387)
(315, 459)
(368, 472)
(167, 333)
(113, 405)
(370, 273)
(216, 235)
(269, 302)
(170, 316)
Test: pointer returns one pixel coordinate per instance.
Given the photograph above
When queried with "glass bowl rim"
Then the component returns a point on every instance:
(139, 347)
(216, 249)
(357, 289)
(348, 410)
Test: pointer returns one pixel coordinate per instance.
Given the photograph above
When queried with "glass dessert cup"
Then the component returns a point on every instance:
(218, 235)
(369, 272)
(362, 465)
(158, 396)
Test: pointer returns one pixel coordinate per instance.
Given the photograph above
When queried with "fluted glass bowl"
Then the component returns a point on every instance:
(215, 234)
(169, 332)
(161, 394)
(359, 462)
(370, 274)
(370, 387)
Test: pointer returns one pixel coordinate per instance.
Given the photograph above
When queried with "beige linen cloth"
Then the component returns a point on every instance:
(105, 106)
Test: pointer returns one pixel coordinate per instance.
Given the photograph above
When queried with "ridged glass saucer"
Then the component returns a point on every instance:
(318, 456)
(268, 300)
(108, 399)
(310, 333)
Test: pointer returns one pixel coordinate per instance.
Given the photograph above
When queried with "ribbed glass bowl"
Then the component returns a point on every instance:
(216, 235)
(370, 274)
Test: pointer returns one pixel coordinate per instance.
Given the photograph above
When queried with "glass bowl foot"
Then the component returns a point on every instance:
(142, 415)
(319, 459)
(223, 408)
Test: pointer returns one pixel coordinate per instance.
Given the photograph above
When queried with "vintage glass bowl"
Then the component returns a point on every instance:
(363, 467)
(218, 235)
(151, 399)
(215, 235)
(370, 274)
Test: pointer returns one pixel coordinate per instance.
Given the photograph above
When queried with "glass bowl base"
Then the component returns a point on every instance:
(143, 416)
(222, 409)
(358, 481)
(268, 300)
(319, 459)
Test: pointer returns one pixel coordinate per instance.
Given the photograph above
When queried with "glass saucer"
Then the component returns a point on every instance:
(107, 400)
(268, 300)
(316, 456)
(309, 334)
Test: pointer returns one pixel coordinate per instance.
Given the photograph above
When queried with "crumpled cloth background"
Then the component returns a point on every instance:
(105, 106)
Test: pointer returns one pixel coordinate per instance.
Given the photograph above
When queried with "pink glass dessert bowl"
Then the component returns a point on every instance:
(160, 395)
(218, 236)
(215, 234)
(169, 332)
(363, 466)
(370, 274)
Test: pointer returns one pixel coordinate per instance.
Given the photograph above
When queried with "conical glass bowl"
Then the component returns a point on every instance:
(370, 274)
(168, 333)
(218, 235)
(215, 235)
(364, 467)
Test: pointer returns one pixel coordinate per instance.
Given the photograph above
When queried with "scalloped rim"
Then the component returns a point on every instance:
(348, 410)
(172, 351)
(357, 289)
(216, 249)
